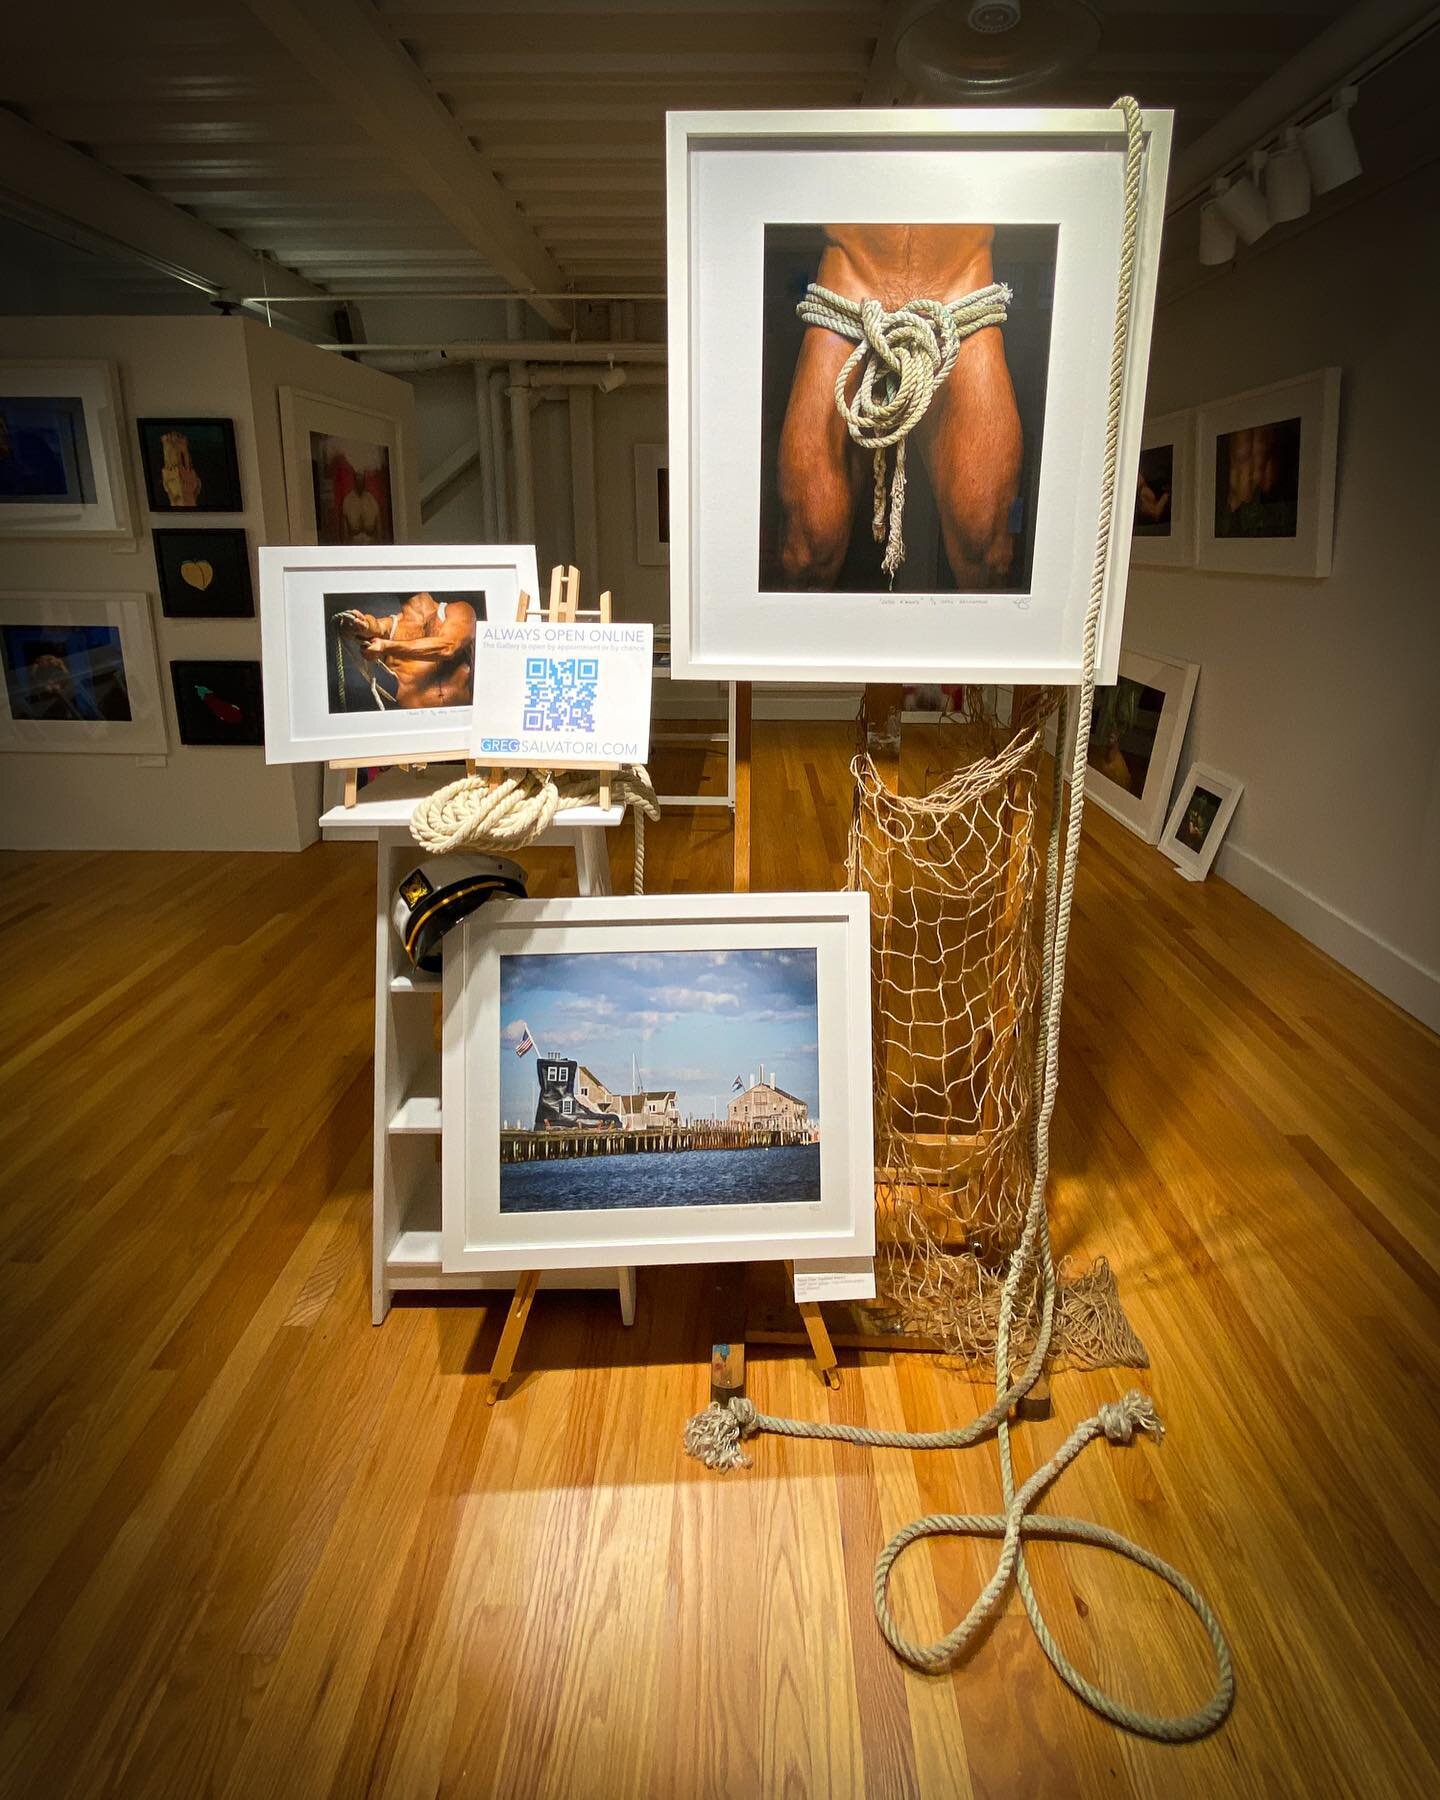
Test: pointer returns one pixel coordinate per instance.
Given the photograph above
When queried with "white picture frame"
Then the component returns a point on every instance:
(1311, 405)
(652, 505)
(599, 688)
(1175, 548)
(1219, 795)
(123, 619)
(732, 174)
(107, 512)
(304, 416)
(477, 1233)
(309, 715)
(1143, 812)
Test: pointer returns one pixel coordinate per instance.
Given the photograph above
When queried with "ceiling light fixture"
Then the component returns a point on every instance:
(1217, 234)
(976, 49)
(1329, 144)
(1287, 180)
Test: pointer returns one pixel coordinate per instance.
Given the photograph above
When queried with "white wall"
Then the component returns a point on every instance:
(1324, 696)
(199, 797)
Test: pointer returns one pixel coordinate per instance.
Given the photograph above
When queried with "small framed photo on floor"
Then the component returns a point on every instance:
(370, 649)
(1201, 816)
(1266, 486)
(1162, 535)
(79, 673)
(204, 574)
(1137, 730)
(191, 465)
(671, 1080)
(62, 469)
(890, 350)
(218, 702)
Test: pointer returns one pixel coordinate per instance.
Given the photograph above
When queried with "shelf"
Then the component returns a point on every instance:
(417, 1115)
(415, 984)
(414, 1252)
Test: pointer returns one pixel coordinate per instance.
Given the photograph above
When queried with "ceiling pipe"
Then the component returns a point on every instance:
(495, 384)
(562, 350)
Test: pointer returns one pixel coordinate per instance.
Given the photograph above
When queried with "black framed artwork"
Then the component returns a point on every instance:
(218, 702)
(191, 465)
(204, 574)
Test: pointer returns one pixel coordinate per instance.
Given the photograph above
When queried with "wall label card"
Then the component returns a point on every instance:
(554, 693)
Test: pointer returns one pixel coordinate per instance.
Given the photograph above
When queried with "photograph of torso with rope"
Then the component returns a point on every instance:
(420, 653)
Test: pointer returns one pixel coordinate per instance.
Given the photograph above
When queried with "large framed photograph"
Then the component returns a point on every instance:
(684, 1079)
(78, 672)
(890, 343)
(1163, 530)
(1203, 810)
(62, 470)
(370, 650)
(345, 472)
(1137, 730)
(1266, 490)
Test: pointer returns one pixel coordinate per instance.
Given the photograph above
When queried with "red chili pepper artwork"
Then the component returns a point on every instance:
(226, 711)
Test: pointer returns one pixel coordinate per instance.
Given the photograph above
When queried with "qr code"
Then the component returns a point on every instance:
(560, 693)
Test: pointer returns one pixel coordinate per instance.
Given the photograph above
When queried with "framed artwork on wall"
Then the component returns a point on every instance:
(652, 504)
(204, 574)
(62, 469)
(190, 465)
(1137, 730)
(79, 674)
(370, 650)
(345, 479)
(1203, 810)
(1163, 531)
(816, 557)
(744, 1131)
(218, 702)
(1266, 478)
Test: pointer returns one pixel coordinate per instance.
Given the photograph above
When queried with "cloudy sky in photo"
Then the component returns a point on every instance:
(693, 1019)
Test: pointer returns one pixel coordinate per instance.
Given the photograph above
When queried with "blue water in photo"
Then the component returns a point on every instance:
(786, 1175)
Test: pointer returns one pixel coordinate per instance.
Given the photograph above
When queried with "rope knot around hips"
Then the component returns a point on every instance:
(904, 357)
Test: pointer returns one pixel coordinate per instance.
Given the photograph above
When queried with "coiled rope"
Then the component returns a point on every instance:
(715, 1435)
(903, 357)
(470, 814)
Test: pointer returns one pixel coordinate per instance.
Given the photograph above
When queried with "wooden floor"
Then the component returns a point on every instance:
(252, 1546)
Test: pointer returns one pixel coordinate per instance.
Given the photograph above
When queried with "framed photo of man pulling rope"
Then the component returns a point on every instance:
(370, 649)
(889, 379)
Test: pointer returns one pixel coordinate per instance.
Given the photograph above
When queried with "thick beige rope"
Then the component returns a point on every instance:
(470, 814)
(903, 357)
(715, 1435)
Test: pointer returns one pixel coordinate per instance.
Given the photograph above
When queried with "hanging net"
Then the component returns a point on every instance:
(957, 911)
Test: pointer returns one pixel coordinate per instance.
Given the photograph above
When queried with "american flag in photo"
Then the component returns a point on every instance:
(526, 1043)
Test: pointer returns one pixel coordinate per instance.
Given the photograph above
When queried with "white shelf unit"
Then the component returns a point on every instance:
(408, 1114)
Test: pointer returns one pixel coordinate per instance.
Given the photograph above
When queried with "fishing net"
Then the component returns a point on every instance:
(957, 914)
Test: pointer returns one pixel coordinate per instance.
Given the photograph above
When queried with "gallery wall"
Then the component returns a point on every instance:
(193, 797)
(1324, 696)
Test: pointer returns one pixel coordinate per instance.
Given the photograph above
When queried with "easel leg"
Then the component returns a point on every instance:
(626, 1282)
(525, 1284)
(741, 754)
(827, 1366)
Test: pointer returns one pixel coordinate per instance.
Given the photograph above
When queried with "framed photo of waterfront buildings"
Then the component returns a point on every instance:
(648, 1081)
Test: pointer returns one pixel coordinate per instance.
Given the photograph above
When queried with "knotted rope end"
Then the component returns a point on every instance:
(1133, 1411)
(713, 1436)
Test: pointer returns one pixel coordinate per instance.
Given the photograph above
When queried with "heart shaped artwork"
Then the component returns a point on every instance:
(197, 575)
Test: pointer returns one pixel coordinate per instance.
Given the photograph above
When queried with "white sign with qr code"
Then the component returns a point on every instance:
(551, 694)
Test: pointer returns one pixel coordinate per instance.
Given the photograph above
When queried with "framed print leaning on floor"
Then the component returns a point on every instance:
(1137, 729)
(78, 672)
(971, 258)
(370, 649)
(634, 1080)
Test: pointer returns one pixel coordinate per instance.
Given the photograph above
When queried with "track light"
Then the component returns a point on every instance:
(1329, 145)
(1241, 203)
(1217, 235)
(610, 380)
(1287, 180)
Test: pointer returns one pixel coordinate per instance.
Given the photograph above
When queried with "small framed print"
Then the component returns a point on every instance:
(744, 1133)
(191, 465)
(204, 574)
(62, 471)
(1137, 730)
(370, 649)
(1163, 533)
(1266, 478)
(1202, 813)
(79, 674)
(652, 504)
(218, 702)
